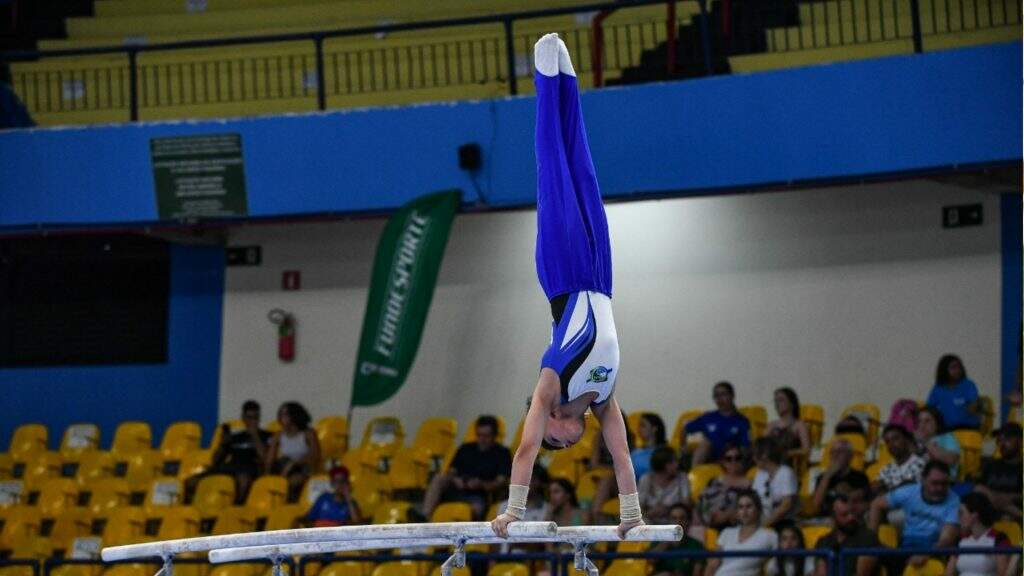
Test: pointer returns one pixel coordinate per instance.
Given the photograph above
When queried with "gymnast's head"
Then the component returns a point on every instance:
(563, 430)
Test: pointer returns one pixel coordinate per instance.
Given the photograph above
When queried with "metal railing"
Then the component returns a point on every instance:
(560, 561)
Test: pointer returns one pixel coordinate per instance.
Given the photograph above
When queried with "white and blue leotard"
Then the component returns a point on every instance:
(574, 263)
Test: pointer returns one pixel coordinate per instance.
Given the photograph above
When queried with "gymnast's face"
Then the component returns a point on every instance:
(563, 431)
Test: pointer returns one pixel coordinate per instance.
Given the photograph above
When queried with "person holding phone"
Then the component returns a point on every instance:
(239, 454)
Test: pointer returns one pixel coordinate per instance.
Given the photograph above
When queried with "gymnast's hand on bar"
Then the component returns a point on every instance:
(627, 526)
(500, 524)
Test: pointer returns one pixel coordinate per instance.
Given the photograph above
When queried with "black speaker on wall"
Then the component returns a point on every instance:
(470, 157)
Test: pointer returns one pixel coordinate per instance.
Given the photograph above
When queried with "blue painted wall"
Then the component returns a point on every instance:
(185, 388)
(887, 115)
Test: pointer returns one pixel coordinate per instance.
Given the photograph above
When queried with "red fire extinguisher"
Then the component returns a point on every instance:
(285, 333)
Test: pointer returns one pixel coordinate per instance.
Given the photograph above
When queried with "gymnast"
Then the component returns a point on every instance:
(574, 266)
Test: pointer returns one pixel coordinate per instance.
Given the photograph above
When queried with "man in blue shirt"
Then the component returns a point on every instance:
(930, 509)
(337, 508)
(720, 428)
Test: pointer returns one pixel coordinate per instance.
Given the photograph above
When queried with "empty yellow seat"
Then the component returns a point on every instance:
(213, 494)
(813, 416)
(125, 525)
(332, 432)
(57, 496)
(700, 476)
(94, 465)
(236, 570)
(107, 495)
(79, 439)
(234, 520)
(970, 452)
(194, 463)
(758, 417)
(129, 570)
(1011, 529)
(266, 494)
(285, 517)
(179, 439)
(396, 569)
(509, 569)
(452, 512)
(62, 530)
(383, 434)
(676, 441)
(346, 568)
(20, 522)
(436, 435)
(392, 513)
(41, 467)
(164, 492)
(132, 438)
(28, 441)
(177, 522)
(138, 469)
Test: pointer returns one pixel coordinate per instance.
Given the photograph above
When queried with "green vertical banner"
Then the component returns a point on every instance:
(404, 274)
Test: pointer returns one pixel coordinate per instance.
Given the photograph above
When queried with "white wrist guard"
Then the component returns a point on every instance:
(629, 507)
(517, 501)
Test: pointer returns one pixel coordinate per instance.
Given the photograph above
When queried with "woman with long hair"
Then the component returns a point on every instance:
(746, 535)
(788, 430)
(955, 395)
(933, 442)
(563, 508)
(790, 538)
(976, 518)
(717, 504)
(294, 451)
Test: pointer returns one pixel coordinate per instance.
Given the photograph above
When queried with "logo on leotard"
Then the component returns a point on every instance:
(599, 374)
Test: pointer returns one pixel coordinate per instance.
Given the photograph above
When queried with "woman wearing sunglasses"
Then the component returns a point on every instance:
(718, 500)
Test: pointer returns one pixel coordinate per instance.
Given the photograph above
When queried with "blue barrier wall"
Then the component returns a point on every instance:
(185, 388)
(888, 115)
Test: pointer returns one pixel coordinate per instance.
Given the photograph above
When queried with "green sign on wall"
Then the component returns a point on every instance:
(199, 176)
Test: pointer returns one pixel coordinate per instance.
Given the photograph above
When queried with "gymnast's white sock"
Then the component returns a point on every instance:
(545, 54)
(564, 62)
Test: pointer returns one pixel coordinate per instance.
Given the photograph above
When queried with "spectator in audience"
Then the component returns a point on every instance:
(747, 535)
(930, 510)
(719, 427)
(790, 538)
(955, 395)
(789, 431)
(562, 507)
(933, 442)
(906, 466)
(239, 454)
(294, 451)
(839, 470)
(680, 514)
(663, 486)
(718, 500)
(337, 507)
(476, 474)
(976, 518)
(775, 482)
(1001, 479)
(652, 433)
(849, 531)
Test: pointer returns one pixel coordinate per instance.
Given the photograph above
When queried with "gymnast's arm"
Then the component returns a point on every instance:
(613, 428)
(545, 396)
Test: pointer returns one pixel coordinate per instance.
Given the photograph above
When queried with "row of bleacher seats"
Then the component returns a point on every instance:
(441, 64)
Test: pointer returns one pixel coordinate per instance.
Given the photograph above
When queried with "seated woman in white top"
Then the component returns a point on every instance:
(976, 518)
(775, 483)
(294, 451)
(749, 535)
(790, 538)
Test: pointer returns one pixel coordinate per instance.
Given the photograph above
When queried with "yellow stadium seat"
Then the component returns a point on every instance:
(758, 417)
(285, 517)
(42, 467)
(6, 466)
(235, 520)
(179, 439)
(509, 569)
(128, 570)
(384, 435)
(94, 465)
(218, 432)
(586, 488)
(436, 435)
(633, 423)
(178, 522)
(814, 533)
(455, 571)
(138, 469)
(63, 529)
(194, 463)
(700, 476)
(452, 512)
(711, 539)
(79, 439)
(236, 570)
(125, 525)
(132, 438)
(28, 441)
(57, 496)
(107, 495)
(1011, 529)
(869, 415)
(677, 431)
(20, 522)
(163, 492)
(407, 470)
(970, 452)
(568, 464)
(988, 414)
(396, 569)
(873, 471)
(345, 568)
(813, 416)
(392, 513)
(931, 567)
(213, 494)
(470, 435)
(888, 536)
(266, 494)
(332, 432)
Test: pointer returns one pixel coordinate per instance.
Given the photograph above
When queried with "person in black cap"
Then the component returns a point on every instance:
(1002, 479)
